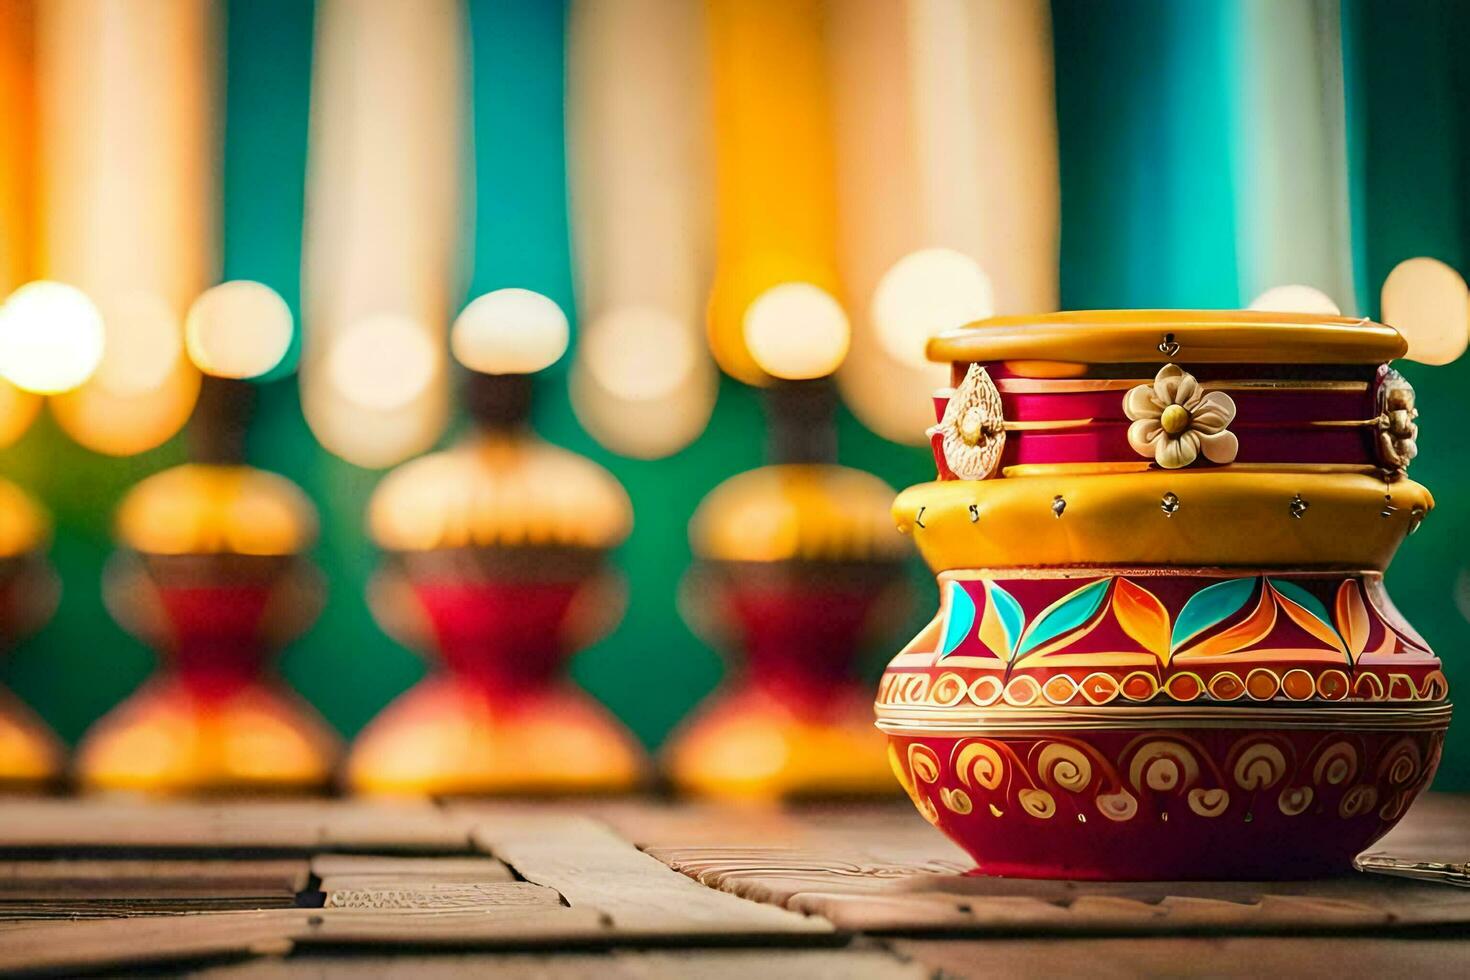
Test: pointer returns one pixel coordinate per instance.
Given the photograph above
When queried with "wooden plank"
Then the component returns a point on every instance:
(72, 947)
(592, 867)
(129, 824)
(854, 887)
(1332, 958)
(69, 947)
(475, 868)
(815, 964)
(441, 896)
(141, 879)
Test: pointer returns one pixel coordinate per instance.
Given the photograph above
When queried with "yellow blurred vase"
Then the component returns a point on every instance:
(212, 574)
(496, 568)
(797, 571)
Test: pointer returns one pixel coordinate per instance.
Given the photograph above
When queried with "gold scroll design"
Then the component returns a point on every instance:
(996, 777)
(951, 689)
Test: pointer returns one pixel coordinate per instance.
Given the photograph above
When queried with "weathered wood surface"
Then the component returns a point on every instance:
(593, 867)
(868, 963)
(562, 890)
(868, 873)
(240, 825)
(1226, 957)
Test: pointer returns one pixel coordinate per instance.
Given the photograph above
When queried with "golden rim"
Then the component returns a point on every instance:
(991, 721)
(1162, 336)
(1224, 517)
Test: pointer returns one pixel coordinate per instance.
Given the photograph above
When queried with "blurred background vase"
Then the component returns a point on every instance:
(796, 575)
(496, 568)
(212, 573)
(30, 756)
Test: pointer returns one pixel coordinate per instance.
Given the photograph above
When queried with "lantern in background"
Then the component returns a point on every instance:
(212, 572)
(496, 567)
(795, 567)
(29, 754)
(797, 573)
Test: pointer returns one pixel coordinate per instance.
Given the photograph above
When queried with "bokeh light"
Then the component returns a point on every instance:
(924, 293)
(797, 331)
(142, 343)
(238, 329)
(383, 362)
(510, 331)
(51, 337)
(639, 353)
(1427, 302)
(1295, 298)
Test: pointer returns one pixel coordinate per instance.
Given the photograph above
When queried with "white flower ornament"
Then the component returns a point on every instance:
(973, 430)
(1173, 420)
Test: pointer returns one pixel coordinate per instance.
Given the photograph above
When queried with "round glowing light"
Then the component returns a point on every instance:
(796, 331)
(51, 337)
(639, 353)
(510, 331)
(238, 329)
(142, 343)
(1295, 298)
(925, 293)
(383, 362)
(1427, 302)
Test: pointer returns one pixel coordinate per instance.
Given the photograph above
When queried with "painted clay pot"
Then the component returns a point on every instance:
(30, 755)
(1163, 647)
(496, 569)
(212, 574)
(798, 572)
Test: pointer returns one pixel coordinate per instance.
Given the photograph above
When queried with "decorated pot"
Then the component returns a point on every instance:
(1163, 646)
(496, 568)
(212, 573)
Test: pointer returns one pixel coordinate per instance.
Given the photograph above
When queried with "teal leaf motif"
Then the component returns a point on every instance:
(1005, 612)
(958, 619)
(1208, 607)
(1066, 614)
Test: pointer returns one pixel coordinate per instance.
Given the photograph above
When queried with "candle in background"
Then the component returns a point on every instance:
(382, 237)
(126, 93)
(776, 282)
(18, 407)
(638, 126)
(947, 170)
(1292, 214)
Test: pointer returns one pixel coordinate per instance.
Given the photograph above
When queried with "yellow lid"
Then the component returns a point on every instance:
(499, 491)
(199, 509)
(799, 511)
(1160, 336)
(23, 524)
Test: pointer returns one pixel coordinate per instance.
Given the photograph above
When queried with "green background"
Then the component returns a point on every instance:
(1147, 105)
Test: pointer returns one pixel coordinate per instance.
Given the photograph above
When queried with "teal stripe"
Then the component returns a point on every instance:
(267, 92)
(1145, 103)
(521, 235)
(1291, 155)
(1406, 80)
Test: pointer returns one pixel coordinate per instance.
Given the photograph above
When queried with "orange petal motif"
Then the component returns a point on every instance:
(1143, 617)
(1351, 616)
(1251, 630)
(1307, 620)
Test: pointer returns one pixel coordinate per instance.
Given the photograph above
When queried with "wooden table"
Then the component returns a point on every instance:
(644, 889)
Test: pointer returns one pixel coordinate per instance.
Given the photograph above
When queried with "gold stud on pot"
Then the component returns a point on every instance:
(1169, 504)
(1298, 506)
(1058, 504)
